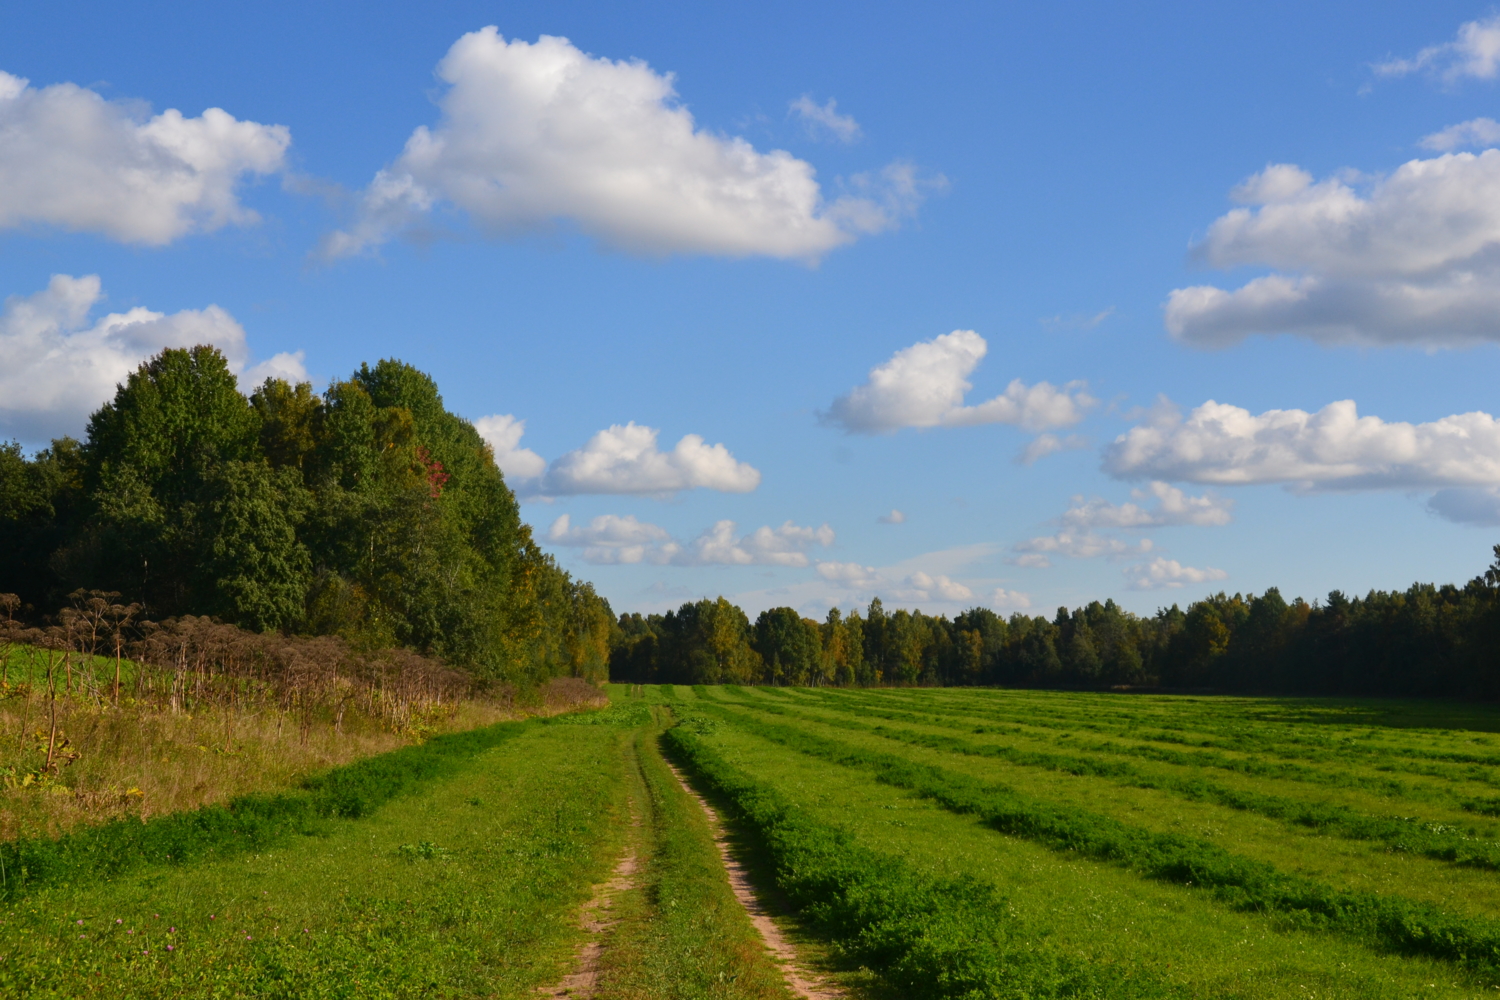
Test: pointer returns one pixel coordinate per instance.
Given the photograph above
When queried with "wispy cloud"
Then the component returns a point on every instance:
(821, 119)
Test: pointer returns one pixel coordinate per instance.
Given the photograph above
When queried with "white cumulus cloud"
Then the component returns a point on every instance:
(924, 587)
(851, 575)
(626, 459)
(924, 386)
(1474, 53)
(503, 433)
(765, 546)
(910, 588)
(56, 367)
(1472, 134)
(1036, 553)
(536, 133)
(1411, 258)
(1172, 507)
(1332, 449)
(1009, 600)
(821, 118)
(1161, 574)
(610, 539)
(894, 517)
(71, 159)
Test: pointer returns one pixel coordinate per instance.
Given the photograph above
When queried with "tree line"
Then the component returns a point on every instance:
(368, 512)
(371, 513)
(1426, 641)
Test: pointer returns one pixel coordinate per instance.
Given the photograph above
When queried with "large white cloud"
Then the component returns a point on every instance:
(1332, 449)
(70, 158)
(56, 368)
(1474, 53)
(609, 539)
(1161, 574)
(1410, 258)
(924, 386)
(1172, 507)
(503, 432)
(625, 459)
(535, 133)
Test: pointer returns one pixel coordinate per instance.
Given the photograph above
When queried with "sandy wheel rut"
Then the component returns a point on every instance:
(803, 982)
(596, 919)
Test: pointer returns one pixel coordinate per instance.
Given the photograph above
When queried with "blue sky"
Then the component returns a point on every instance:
(894, 248)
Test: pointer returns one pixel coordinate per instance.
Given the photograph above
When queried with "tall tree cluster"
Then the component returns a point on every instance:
(369, 512)
(1426, 641)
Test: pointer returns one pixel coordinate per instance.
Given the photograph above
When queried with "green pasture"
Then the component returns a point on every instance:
(1372, 808)
(916, 843)
(24, 664)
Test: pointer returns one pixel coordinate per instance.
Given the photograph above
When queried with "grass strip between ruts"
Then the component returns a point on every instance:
(926, 937)
(681, 933)
(1410, 835)
(1385, 923)
(246, 823)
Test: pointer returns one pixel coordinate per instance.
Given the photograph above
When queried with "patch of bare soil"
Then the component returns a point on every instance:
(595, 919)
(802, 981)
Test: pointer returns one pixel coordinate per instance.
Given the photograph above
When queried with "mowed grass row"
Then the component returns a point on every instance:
(897, 931)
(1443, 835)
(1459, 796)
(1411, 737)
(1383, 921)
(1132, 936)
(1342, 866)
(466, 886)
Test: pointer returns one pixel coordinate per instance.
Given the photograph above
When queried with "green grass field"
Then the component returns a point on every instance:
(1213, 847)
(916, 843)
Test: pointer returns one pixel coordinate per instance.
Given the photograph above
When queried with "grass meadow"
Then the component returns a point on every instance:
(1199, 847)
(913, 843)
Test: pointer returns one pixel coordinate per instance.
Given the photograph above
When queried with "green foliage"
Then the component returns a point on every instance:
(176, 417)
(1427, 641)
(256, 568)
(789, 647)
(368, 512)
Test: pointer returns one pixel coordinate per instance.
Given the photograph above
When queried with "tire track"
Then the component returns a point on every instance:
(803, 982)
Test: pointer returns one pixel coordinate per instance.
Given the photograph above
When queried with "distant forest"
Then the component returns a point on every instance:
(1428, 641)
(368, 512)
(371, 513)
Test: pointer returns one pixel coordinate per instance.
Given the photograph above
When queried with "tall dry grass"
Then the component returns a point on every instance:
(136, 760)
(105, 715)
